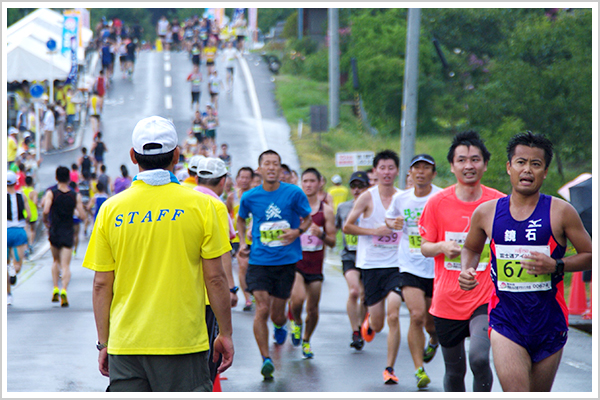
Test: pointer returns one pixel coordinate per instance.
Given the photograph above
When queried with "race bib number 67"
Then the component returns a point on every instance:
(514, 278)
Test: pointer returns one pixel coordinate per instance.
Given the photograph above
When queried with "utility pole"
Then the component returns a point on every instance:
(410, 92)
(334, 68)
(300, 23)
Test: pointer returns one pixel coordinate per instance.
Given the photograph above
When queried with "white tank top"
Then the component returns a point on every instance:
(377, 251)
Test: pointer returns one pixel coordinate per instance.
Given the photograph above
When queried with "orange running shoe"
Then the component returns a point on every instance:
(365, 330)
(389, 378)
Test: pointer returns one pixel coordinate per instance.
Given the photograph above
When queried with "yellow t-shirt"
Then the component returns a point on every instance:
(154, 239)
(12, 150)
(339, 194)
(209, 53)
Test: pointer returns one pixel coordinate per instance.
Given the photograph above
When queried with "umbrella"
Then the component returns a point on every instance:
(581, 199)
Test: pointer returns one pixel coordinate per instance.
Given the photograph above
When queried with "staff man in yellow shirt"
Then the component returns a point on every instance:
(155, 247)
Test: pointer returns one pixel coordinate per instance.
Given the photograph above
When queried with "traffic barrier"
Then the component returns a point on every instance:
(588, 313)
(217, 384)
(577, 298)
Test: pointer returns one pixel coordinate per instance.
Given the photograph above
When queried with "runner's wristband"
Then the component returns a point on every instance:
(560, 267)
(300, 230)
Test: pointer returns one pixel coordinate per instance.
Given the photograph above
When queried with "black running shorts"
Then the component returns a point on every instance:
(276, 280)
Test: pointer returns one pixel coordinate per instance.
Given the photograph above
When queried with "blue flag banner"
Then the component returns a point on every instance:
(73, 73)
(70, 28)
(237, 14)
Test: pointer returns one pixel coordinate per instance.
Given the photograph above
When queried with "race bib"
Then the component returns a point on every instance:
(459, 238)
(387, 241)
(271, 231)
(310, 243)
(512, 277)
(351, 242)
(414, 240)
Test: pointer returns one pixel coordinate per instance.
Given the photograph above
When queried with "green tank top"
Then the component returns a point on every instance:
(32, 206)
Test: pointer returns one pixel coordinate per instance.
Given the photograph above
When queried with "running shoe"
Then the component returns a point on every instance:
(267, 369)
(429, 352)
(422, 378)
(389, 378)
(357, 341)
(306, 350)
(9, 299)
(365, 330)
(63, 298)
(279, 334)
(248, 306)
(55, 294)
(12, 274)
(296, 333)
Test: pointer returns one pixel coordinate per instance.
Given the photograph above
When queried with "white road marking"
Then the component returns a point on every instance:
(168, 81)
(167, 66)
(168, 102)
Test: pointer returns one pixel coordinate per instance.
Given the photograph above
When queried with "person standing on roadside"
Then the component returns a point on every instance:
(309, 270)
(377, 257)
(443, 227)
(277, 209)
(60, 203)
(416, 271)
(359, 183)
(157, 339)
(528, 319)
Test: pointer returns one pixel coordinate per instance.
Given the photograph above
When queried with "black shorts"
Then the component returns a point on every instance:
(230, 70)
(347, 265)
(308, 278)
(451, 331)
(62, 239)
(160, 373)
(213, 95)
(426, 285)
(199, 136)
(234, 248)
(213, 330)
(196, 59)
(122, 59)
(195, 97)
(378, 282)
(209, 63)
(241, 38)
(276, 280)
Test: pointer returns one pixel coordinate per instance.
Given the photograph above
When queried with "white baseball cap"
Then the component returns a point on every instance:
(11, 178)
(336, 179)
(193, 163)
(209, 168)
(13, 131)
(155, 130)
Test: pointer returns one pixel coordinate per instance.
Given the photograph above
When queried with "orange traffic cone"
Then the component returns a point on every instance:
(577, 298)
(217, 384)
(588, 313)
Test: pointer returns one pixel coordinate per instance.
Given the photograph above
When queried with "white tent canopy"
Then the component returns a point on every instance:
(27, 55)
(29, 60)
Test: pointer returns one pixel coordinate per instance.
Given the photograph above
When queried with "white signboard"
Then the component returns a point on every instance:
(354, 159)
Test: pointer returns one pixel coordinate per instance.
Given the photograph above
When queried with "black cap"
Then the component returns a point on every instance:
(359, 176)
(422, 157)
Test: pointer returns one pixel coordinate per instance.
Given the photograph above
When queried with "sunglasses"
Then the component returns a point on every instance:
(357, 186)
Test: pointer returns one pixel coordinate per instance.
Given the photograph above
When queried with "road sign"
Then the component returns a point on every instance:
(36, 91)
(354, 159)
(51, 44)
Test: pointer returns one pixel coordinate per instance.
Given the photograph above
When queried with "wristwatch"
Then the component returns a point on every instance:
(234, 289)
(300, 230)
(101, 346)
(560, 267)
(324, 235)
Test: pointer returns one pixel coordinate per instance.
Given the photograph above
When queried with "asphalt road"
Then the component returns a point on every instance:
(50, 349)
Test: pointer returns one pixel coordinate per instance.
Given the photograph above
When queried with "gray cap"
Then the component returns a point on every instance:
(209, 168)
